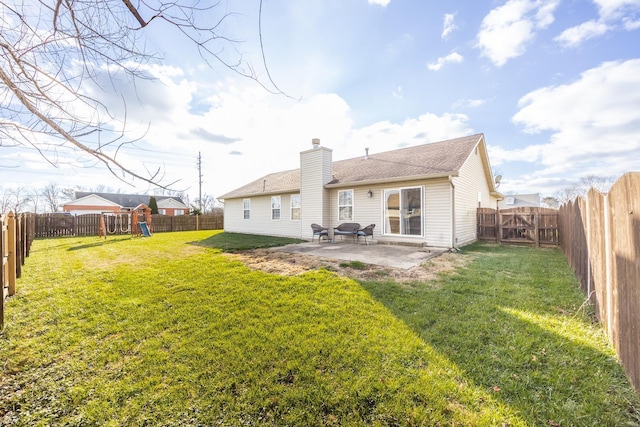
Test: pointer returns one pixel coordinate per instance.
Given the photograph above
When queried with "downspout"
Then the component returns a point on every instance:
(453, 213)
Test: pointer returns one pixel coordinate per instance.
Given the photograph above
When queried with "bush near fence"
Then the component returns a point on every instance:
(58, 224)
(600, 236)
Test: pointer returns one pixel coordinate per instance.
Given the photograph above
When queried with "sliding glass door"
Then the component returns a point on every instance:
(403, 211)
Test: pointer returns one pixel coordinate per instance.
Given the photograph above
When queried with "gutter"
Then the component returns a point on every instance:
(453, 213)
(395, 179)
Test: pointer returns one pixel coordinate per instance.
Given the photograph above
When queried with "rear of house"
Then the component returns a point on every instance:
(425, 195)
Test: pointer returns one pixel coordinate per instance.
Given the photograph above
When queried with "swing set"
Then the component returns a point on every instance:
(136, 221)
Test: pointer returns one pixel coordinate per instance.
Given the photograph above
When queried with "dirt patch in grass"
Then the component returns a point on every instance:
(289, 264)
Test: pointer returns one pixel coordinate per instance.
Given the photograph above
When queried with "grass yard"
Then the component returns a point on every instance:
(161, 331)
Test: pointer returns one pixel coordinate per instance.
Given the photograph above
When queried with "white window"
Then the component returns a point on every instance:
(295, 207)
(178, 212)
(275, 207)
(246, 208)
(345, 205)
(403, 211)
(162, 211)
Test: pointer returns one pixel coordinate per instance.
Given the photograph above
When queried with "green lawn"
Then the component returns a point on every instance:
(160, 331)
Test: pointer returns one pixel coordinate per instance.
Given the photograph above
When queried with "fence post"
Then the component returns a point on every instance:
(498, 226)
(2, 269)
(11, 240)
(19, 254)
(536, 226)
(609, 275)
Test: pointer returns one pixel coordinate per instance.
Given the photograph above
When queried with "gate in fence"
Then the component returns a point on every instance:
(525, 225)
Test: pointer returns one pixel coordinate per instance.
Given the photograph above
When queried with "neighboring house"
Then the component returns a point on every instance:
(425, 195)
(519, 201)
(88, 202)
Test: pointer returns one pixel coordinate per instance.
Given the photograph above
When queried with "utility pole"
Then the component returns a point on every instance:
(200, 181)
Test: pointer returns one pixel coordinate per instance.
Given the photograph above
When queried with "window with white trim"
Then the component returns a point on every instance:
(246, 208)
(345, 205)
(295, 207)
(275, 207)
(178, 212)
(162, 211)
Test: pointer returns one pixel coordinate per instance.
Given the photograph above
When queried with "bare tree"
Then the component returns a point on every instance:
(5, 197)
(15, 200)
(582, 187)
(208, 203)
(550, 202)
(53, 58)
(52, 197)
(35, 200)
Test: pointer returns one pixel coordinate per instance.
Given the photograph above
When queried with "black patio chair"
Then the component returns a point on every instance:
(366, 232)
(319, 231)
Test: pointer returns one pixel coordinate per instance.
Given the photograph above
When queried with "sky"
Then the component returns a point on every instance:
(554, 86)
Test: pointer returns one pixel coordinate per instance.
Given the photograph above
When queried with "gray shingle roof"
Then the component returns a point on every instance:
(125, 200)
(435, 159)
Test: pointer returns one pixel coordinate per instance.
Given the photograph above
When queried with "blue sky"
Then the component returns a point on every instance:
(554, 85)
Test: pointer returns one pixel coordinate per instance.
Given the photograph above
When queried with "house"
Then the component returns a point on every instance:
(519, 201)
(92, 202)
(425, 195)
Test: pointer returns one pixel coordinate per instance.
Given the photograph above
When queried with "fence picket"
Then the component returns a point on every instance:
(15, 241)
(600, 236)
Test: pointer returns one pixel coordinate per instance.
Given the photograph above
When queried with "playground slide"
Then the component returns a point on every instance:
(144, 229)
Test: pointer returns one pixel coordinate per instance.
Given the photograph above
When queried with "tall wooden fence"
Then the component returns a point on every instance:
(600, 236)
(525, 225)
(58, 224)
(15, 241)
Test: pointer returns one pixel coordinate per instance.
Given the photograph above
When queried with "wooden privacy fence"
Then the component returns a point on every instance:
(15, 241)
(600, 236)
(526, 225)
(58, 224)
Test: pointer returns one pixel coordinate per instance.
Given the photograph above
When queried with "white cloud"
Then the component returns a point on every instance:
(448, 26)
(382, 3)
(506, 30)
(611, 13)
(453, 58)
(385, 135)
(594, 123)
(615, 9)
(469, 103)
(630, 24)
(574, 36)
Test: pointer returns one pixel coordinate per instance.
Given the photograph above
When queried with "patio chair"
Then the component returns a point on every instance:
(366, 232)
(319, 231)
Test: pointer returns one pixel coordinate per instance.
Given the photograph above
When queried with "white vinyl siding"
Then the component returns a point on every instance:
(260, 221)
(315, 204)
(471, 187)
(438, 213)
